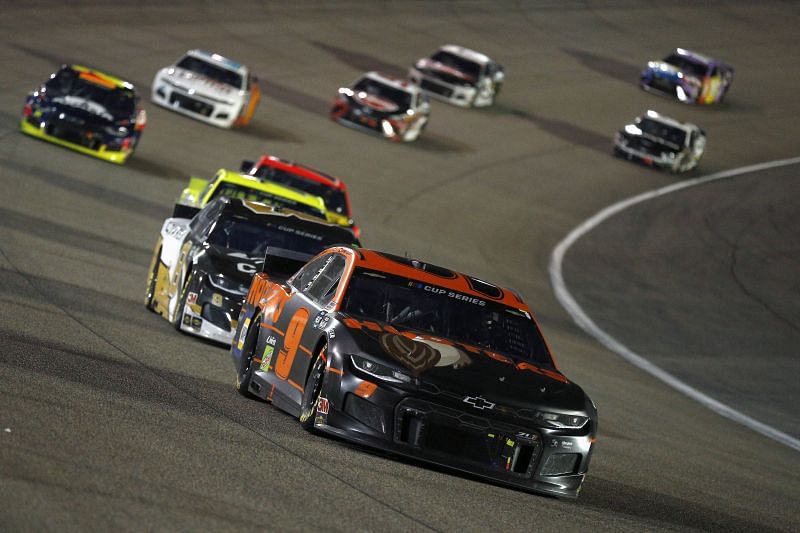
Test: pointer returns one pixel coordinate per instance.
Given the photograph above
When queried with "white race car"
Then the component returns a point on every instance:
(460, 76)
(662, 142)
(208, 87)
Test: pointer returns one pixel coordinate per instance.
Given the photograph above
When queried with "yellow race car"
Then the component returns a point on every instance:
(234, 185)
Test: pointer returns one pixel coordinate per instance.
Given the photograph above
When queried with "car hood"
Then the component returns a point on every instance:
(453, 372)
(79, 110)
(377, 103)
(192, 81)
(441, 68)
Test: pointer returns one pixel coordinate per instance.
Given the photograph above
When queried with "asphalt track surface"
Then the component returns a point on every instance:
(109, 419)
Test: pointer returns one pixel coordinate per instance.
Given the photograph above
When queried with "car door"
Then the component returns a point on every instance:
(287, 332)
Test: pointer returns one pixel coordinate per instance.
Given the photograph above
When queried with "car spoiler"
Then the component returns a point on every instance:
(281, 263)
(184, 211)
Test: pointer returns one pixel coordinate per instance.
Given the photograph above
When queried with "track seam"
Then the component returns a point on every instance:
(210, 406)
(582, 319)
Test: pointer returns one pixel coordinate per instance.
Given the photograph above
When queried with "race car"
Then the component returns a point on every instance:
(688, 76)
(88, 111)
(332, 190)
(459, 75)
(208, 87)
(382, 104)
(228, 183)
(662, 142)
(418, 360)
(201, 268)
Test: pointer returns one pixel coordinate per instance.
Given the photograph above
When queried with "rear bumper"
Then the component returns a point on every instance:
(218, 114)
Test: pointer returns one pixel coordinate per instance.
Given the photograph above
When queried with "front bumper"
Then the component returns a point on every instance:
(211, 111)
(105, 151)
(211, 313)
(518, 454)
(460, 95)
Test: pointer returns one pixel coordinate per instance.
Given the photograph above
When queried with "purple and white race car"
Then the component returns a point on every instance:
(688, 76)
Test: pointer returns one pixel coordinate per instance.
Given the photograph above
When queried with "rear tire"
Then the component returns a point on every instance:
(313, 391)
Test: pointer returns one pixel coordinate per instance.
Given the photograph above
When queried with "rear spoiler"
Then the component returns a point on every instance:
(246, 166)
(184, 211)
(281, 263)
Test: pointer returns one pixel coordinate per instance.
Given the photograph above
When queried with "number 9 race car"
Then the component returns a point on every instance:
(201, 268)
(208, 87)
(417, 360)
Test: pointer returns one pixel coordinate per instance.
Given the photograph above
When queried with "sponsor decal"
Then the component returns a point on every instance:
(332, 333)
(191, 298)
(272, 340)
(416, 356)
(243, 334)
(216, 299)
(266, 358)
(187, 320)
(197, 322)
(247, 268)
(322, 320)
(448, 293)
(322, 406)
(478, 403)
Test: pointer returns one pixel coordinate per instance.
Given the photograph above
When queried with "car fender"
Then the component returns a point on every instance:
(173, 234)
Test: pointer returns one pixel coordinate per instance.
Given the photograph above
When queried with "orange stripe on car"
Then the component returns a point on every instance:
(295, 385)
(335, 371)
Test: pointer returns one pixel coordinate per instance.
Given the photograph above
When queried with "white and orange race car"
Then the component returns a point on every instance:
(208, 87)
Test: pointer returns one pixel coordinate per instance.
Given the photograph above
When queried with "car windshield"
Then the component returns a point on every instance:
(334, 198)
(670, 134)
(408, 304)
(232, 190)
(687, 65)
(466, 66)
(381, 90)
(76, 89)
(211, 71)
(252, 236)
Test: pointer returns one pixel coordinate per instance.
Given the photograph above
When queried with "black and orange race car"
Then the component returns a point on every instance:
(417, 360)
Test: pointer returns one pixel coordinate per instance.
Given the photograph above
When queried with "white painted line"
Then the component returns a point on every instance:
(587, 324)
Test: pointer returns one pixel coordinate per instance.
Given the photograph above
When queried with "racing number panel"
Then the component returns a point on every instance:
(292, 327)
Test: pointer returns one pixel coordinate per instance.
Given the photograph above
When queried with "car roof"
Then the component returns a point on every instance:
(252, 209)
(397, 83)
(252, 182)
(669, 121)
(219, 60)
(100, 78)
(466, 53)
(434, 275)
(300, 170)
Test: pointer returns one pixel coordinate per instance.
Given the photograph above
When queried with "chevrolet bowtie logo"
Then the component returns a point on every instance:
(478, 403)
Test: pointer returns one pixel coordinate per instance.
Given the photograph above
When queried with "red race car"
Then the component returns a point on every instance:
(306, 179)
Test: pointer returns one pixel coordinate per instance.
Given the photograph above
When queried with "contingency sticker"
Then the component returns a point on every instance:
(266, 359)
(243, 334)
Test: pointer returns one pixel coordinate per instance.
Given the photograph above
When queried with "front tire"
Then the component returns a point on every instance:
(245, 373)
(178, 315)
(313, 390)
(152, 279)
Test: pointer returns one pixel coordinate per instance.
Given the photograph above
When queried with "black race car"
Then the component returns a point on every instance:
(88, 111)
(417, 360)
(201, 268)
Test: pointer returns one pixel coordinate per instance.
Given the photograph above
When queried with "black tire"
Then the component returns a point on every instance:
(151, 280)
(245, 373)
(313, 389)
(176, 320)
